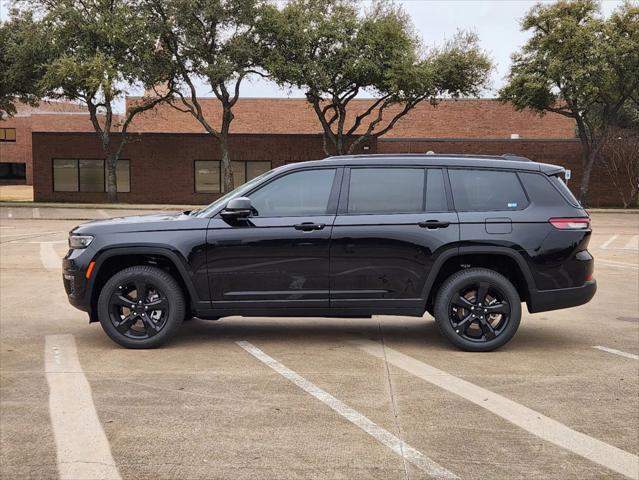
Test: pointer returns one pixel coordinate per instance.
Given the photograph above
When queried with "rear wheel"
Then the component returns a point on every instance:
(141, 307)
(478, 309)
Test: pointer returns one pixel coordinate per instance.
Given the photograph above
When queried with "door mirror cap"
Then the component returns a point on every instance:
(239, 207)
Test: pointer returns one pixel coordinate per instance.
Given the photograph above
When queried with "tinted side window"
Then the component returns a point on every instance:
(435, 191)
(386, 190)
(296, 194)
(540, 191)
(486, 190)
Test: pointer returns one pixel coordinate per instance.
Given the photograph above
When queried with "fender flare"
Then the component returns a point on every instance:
(176, 259)
(478, 250)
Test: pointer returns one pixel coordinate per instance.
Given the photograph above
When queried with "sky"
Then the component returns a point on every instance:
(495, 21)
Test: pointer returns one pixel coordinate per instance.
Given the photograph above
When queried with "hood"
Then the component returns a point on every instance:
(141, 223)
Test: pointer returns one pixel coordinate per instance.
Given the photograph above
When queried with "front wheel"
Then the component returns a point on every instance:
(478, 309)
(141, 307)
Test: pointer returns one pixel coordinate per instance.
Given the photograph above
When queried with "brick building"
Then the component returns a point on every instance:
(15, 134)
(170, 159)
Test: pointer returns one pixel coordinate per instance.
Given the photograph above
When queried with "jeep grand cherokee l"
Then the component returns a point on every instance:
(466, 238)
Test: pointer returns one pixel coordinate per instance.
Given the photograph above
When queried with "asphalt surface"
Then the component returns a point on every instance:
(276, 398)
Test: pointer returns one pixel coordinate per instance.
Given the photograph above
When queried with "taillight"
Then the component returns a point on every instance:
(570, 223)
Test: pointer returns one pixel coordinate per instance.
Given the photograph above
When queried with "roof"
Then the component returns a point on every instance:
(482, 161)
(466, 118)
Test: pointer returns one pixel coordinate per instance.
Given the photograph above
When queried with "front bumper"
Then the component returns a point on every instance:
(544, 300)
(75, 284)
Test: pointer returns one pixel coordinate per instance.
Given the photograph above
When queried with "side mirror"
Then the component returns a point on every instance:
(239, 207)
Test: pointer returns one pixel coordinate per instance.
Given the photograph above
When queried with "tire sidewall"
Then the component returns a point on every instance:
(164, 282)
(453, 284)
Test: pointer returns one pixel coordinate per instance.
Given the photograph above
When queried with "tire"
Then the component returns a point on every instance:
(134, 322)
(468, 325)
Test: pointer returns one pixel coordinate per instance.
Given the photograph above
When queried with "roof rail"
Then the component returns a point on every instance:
(519, 158)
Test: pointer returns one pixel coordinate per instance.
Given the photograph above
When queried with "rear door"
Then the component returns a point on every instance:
(392, 224)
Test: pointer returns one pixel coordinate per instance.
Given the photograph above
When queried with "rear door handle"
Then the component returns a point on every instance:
(433, 224)
(309, 226)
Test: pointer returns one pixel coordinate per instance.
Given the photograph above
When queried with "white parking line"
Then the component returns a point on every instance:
(103, 213)
(617, 352)
(83, 450)
(36, 213)
(607, 243)
(49, 257)
(383, 436)
(609, 263)
(533, 422)
(29, 234)
(633, 243)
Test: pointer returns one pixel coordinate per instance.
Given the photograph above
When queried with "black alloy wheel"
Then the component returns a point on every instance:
(138, 309)
(478, 309)
(479, 312)
(141, 307)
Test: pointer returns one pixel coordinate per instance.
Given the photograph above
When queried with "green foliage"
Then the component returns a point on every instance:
(214, 42)
(578, 64)
(98, 51)
(24, 49)
(334, 52)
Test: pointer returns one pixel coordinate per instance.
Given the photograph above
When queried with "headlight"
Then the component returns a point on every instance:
(80, 241)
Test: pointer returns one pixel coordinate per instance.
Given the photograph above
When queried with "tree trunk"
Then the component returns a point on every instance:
(587, 163)
(111, 180)
(225, 165)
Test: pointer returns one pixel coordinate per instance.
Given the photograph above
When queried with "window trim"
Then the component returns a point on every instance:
(514, 172)
(77, 162)
(346, 183)
(246, 179)
(333, 197)
(15, 135)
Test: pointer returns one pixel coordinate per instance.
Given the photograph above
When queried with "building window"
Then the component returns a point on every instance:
(92, 175)
(71, 175)
(7, 134)
(65, 175)
(123, 176)
(208, 176)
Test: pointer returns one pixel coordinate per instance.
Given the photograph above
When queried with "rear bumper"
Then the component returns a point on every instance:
(544, 300)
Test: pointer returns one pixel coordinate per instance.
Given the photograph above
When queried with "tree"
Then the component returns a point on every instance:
(334, 52)
(23, 52)
(620, 159)
(100, 50)
(214, 42)
(579, 65)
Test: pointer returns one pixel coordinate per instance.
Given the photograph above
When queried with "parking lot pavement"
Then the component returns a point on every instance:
(383, 398)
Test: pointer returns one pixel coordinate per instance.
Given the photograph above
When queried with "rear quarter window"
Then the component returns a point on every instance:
(565, 191)
(540, 190)
(478, 190)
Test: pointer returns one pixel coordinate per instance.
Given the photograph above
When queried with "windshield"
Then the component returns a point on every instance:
(209, 209)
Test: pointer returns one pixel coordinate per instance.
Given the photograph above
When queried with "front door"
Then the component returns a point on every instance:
(393, 223)
(278, 257)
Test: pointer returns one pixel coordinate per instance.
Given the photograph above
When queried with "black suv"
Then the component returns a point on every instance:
(464, 238)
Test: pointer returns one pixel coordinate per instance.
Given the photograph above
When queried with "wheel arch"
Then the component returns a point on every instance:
(113, 260)
(501, 259)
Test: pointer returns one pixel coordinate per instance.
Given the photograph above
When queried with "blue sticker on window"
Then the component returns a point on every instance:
(512, 205)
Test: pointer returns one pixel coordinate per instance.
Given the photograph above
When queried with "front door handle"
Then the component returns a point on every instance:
(309, 226)
(433, 224)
